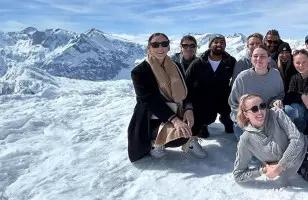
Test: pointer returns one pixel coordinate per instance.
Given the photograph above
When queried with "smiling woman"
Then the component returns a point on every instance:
(272, 138)
(261, 80)
(162, 116)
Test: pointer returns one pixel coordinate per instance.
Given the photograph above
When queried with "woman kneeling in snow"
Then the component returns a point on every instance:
(162, 115)
(271, 137)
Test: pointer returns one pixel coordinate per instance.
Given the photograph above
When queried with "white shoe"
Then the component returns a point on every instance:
(193, 147)
(158, 151)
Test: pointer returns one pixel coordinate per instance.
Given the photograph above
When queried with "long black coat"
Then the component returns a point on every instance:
(208, 90)
(149, 101)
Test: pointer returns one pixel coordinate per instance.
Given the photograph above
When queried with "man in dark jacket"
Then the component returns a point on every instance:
(208, 82)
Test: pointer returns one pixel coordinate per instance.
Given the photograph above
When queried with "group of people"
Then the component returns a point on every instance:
(261, 98)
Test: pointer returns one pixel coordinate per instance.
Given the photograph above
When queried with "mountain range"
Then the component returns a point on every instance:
(93, 55)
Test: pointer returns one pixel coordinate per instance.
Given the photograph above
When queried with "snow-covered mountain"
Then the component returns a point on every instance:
(93, 55)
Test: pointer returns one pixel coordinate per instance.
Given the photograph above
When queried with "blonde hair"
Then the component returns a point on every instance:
(242, 120)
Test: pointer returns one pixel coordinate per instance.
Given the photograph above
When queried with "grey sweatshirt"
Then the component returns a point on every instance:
(269, 86)
(278, 141)
(245, 63)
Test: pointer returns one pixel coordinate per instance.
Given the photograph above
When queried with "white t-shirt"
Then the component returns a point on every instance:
(214, 64)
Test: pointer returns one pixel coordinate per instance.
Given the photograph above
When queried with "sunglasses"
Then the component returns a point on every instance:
(255, 109)
(157, 44)
(186, 46)
(272, 41)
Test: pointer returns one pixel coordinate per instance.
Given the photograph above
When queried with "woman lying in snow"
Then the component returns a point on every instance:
(271, 137)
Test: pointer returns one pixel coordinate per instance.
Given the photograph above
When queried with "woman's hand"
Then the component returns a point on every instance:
(272, 171)
(181, 127)
(305, 100)
(277, 104)
(188, 118)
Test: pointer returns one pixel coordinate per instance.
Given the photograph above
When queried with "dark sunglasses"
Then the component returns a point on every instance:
(157, 44)
(186, 46)
(255, 109)
(273, 41)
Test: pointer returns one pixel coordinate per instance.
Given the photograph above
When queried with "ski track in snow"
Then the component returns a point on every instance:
(73, 145)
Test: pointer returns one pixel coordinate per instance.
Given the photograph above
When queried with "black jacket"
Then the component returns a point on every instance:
(286, 73)
(207, 89)
(149, 101)
(178, 58)
(297, 87)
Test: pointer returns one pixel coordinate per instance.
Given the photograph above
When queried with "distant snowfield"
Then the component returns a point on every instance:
(72, 144)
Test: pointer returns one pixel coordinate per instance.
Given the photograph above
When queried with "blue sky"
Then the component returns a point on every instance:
(173, 17)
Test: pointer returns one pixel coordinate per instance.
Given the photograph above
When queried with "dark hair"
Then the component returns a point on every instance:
(157, 34)
(189, 37)
(262, 46)
(272, 32)
(256, 35)
(301, 51)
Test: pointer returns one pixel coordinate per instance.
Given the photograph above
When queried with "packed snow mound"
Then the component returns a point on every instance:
(75, 147)
(21, 80)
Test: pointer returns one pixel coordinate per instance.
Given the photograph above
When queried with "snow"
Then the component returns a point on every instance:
(65, 138)
(72, 144)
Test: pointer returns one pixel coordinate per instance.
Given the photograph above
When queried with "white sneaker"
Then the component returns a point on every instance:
(193, 147)
(158, 151)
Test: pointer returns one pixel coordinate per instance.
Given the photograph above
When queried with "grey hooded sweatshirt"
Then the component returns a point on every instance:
(278, 141)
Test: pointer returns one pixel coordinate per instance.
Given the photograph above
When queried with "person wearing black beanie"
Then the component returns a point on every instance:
(208, 82)
(285, 64)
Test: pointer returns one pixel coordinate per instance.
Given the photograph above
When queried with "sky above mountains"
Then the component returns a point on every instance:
(176, 17)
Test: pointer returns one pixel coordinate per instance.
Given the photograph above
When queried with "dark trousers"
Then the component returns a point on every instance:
(206, 115)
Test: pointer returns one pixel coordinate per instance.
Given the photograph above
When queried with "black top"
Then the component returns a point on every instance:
(297, 87)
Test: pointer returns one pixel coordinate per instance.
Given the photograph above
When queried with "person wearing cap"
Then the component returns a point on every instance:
(244, 63)
(272, 41)
(188, 47)
(306, 41)
(208, 83)
(285, 64)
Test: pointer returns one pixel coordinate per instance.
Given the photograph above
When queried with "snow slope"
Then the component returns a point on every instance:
(71, 143)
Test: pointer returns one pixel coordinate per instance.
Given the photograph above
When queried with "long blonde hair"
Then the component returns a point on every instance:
(242, 120)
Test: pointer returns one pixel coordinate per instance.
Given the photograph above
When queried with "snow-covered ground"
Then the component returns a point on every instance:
(70, 142)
